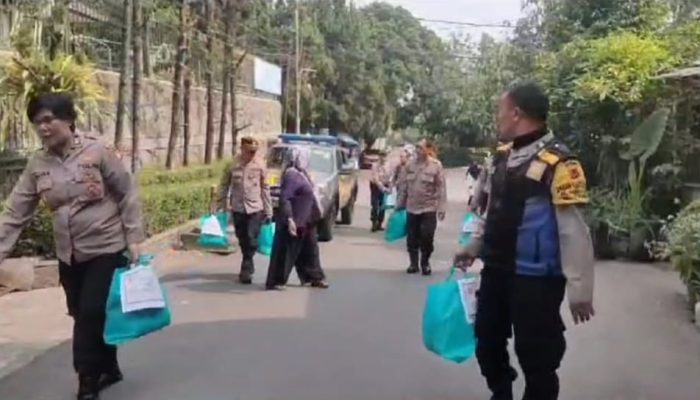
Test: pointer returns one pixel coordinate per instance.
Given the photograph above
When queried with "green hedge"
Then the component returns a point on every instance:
(170, 198)
(159, 176)
(167, 206)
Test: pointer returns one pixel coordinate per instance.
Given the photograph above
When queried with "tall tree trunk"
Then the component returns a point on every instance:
(123, 75)
(136, 87)
(228, 53)
(234, 112)
(234, 105)
(209, 141)
(175, 111)
(146, 33)
(67, 32)
(186, 123)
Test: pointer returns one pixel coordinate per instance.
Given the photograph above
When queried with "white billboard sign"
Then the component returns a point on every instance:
(268, 77)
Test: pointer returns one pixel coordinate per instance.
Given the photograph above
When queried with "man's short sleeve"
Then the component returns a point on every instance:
(569, 184)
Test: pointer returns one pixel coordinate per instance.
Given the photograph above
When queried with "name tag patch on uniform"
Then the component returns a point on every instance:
(536, 170)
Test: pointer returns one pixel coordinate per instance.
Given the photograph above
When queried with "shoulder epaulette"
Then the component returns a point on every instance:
(549, 157)
(504, 147)
(435, 160)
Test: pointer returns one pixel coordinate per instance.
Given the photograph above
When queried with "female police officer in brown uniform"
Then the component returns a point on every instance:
(96, 217)
(423, 193)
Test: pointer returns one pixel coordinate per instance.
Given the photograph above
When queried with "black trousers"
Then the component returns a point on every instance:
(421, 234)
(377, 204)
(86, 285)
(299, 252)
(247, 228)
(529, 308)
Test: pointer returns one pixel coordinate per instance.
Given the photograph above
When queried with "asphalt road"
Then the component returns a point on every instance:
(361, 339)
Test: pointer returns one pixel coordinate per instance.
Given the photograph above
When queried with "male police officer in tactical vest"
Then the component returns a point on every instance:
(535, 246)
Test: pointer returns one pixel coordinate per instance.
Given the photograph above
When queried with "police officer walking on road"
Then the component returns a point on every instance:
(422, 192)
(96, 218)
(245, 192)
(379, 187)
(535, 246)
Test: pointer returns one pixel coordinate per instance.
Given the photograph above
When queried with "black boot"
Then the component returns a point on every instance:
(247, 268)
(88, 387)
(425, 264)
(110, 372)
(413, 267)
(503, 393)
(375, 226)
(109, 378)
(503, 390)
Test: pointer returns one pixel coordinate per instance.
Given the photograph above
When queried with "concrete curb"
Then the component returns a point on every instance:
(15, 356)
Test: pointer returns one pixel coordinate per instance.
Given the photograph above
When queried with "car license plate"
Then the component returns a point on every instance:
(273, 180)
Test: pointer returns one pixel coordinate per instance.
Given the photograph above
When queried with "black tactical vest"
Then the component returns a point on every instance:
(521, 233)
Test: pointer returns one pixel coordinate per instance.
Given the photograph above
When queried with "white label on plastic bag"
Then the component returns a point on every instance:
(473, 225)
(468, 226)
(467, 289)
(211, 226)
(140, 290)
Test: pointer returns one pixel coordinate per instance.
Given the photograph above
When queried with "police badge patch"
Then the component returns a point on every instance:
(569, 184)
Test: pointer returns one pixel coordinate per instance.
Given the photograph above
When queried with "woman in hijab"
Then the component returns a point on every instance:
(296, 242)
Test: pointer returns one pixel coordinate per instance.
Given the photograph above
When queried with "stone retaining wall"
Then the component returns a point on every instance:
(261, 115)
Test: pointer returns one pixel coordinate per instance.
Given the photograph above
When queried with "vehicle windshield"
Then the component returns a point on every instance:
(321, 160)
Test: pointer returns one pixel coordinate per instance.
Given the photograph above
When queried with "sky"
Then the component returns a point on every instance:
(477, 11)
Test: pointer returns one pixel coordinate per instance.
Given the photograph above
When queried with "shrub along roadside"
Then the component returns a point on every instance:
(170, 198)
(682, 247)
(167, 206)
(196, 173)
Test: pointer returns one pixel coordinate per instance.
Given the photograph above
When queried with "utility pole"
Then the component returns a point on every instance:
(297, 69)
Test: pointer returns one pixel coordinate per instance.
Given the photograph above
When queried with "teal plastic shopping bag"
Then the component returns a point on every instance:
(122, 327)
(266, 238)
(396, 228)
(213, 231)
(448, 317)
(467, 228)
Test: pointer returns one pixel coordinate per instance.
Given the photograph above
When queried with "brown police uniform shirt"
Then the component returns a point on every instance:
(92, 197)
(422, 187)
(245, 187)
(380, 176)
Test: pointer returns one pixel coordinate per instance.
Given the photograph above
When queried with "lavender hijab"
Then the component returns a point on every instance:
(299, 158)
